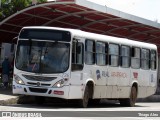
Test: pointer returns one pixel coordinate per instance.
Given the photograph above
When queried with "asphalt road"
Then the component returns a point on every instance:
(113, 111)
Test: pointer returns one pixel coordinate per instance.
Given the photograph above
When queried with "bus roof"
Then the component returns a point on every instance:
(99, 37)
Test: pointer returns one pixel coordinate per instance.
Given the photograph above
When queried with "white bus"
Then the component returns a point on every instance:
(73, 64)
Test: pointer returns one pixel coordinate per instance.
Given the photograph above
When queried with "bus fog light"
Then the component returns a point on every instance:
(18, 80)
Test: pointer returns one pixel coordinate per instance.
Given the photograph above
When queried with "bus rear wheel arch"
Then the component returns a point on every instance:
(130, 102)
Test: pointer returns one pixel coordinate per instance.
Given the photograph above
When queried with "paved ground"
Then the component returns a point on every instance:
(6, 97)
(142, 111)
(8, 103)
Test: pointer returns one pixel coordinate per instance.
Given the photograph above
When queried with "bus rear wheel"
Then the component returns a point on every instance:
(130, 102)
(85, 100)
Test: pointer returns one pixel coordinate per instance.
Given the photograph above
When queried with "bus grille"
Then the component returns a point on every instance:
(42, 84)
(39, 78)
(38, 90)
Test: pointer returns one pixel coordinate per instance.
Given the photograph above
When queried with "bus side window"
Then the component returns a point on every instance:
(114, 55)
(153, 60)
(90, 52)
(77, 55)
(135, 60)
(125, 56)
(145, 59)
(101, 53)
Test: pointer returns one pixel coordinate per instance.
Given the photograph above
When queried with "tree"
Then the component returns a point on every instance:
(5, 8)
(9, 7)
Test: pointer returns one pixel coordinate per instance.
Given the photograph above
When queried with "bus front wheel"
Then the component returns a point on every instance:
(130, 102)
(84, 101)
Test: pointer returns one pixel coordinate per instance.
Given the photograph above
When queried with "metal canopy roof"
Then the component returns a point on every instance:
(84, 15)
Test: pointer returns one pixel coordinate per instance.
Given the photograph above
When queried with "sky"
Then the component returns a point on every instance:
(148, 9)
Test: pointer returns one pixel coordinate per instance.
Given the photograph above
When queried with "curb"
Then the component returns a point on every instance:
(17, 100)
(9, 101)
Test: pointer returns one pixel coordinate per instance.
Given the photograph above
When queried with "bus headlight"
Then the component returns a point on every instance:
(18, 80)
(61, 83)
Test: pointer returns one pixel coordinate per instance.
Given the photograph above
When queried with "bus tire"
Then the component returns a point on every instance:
(84, 101)
(130, 102)
(39, 100)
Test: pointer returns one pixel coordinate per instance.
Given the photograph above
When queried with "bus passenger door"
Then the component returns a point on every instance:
(76, 80)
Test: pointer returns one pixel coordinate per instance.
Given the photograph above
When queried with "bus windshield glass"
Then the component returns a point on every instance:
(42, 56)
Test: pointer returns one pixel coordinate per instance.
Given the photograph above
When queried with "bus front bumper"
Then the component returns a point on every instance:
(41, 91)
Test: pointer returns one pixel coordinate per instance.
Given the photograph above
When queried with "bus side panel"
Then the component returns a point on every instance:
(76, 85)
(151, 89)
(142, 92)
(137, 76)
(75, 92)
(109, 92)
(123, 82)
(100, 92)
(100, 76)
(124, 91)
(143, 82)
(145, 77)
(112, 81)
(147, 83)
(115, 92)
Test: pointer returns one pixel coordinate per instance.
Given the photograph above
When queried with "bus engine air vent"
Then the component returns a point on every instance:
(39, 78)
(38, 90)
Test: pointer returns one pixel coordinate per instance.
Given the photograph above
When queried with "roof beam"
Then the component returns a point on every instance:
(76, 14)
(130, 36)
(14, 25)
(98, 21)
(127, 26)
(78, 26)
(22, 23)
(137, 33)
(152, 39)
(148, 31)
(8, 31)
(36, 16)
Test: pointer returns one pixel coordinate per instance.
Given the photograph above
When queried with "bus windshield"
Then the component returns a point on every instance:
(42, 56)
